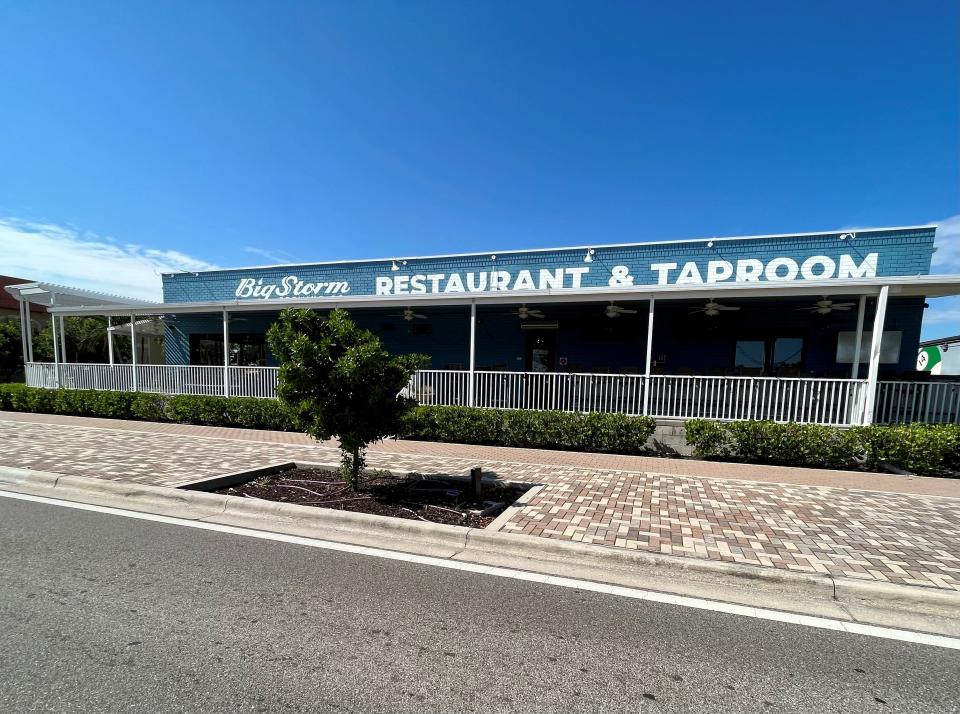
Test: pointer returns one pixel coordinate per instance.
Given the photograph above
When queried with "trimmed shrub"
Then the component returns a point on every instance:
(919, 448)
(243, 412)
(610, 433)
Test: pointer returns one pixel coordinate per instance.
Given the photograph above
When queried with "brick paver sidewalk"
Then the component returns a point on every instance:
(900, 530)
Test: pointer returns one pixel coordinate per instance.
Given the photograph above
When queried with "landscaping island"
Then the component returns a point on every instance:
(436, 499)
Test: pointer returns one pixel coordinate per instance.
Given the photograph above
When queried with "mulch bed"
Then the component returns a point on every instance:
(437, 500)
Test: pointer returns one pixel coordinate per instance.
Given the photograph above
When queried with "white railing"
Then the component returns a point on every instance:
(926, 402)
(803, 400)
(180, 379)
(621, 393)
(814, 400)
(253, 381)
(158, 378)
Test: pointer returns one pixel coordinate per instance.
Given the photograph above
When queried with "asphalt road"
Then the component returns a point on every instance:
(105, 613)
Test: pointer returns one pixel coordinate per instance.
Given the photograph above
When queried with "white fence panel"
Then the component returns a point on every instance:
(817, 401)
(925, 402)
(253, 382)
(157, 378)
(40, 374)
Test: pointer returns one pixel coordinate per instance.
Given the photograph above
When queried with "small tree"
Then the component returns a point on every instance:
(336, 379)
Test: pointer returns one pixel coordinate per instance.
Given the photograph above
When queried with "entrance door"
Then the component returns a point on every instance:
(541, 351)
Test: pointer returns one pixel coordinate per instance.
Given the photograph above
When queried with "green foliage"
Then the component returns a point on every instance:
(918, 448)
(243, 412)
(11, 349)
(336, 379)
(86, 338)
(610, 433)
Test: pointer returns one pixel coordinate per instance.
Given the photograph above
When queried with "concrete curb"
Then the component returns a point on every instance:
(847, 599)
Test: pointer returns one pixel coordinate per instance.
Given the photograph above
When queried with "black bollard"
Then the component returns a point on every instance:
(476, 476)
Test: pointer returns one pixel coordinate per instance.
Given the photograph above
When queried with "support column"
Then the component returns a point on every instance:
(473, 353)
(63, 343)
(56, 350)
(133, 349)
(875, 343)
(646, 371)
(109, 340)
(855, 370)
(29, 324)
(226, 354)
(24, 326)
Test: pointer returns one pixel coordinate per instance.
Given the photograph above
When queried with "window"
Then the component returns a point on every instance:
(750, 357)
(774, 356)
(787, 356)
(246, 349)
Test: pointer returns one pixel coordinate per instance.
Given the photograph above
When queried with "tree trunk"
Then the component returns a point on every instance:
(356, 468)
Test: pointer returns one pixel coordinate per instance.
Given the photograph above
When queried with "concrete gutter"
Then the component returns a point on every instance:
(847, 599)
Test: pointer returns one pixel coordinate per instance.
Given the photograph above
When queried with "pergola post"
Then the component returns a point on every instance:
(226, 354)
(56, 351)
(855, 369)
(110, 340)
(646, 370)
(133, 349)
(473, 352)
(29, 328)
(63, 343)
(875, 344)
(24, 327)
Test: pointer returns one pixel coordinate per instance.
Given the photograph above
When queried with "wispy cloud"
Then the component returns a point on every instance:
(942, 318)
(274, 256)
(66, 255)
(947, 257)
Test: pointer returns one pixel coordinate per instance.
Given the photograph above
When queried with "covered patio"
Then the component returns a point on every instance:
(814, 352)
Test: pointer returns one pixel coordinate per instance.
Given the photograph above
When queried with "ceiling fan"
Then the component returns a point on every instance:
(523, 312)
(713, 308)
(825, 306)
(409, 315)
(613, 310)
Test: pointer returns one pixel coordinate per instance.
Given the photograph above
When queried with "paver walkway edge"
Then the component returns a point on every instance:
(893, 536)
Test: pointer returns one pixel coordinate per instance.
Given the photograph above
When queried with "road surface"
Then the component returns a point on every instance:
(100, 612)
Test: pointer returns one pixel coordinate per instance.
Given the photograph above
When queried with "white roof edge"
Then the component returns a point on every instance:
(568, 247)
(81, 293)
(948, 285)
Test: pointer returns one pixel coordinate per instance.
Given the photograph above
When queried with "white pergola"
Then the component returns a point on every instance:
(54, 297)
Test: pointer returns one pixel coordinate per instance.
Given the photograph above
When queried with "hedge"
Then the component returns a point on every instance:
(918, 448)
(242, 412)
(610, 433)
(607, 433)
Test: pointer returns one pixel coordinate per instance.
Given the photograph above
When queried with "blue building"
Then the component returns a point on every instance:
(817, 318)
(422, 304)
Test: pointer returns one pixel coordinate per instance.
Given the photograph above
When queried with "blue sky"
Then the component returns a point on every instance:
(224, 133)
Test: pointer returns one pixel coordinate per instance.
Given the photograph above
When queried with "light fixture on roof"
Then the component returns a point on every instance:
(394, 267)
(709, 244)
(493, 257)
(588, 258)
(847, 236)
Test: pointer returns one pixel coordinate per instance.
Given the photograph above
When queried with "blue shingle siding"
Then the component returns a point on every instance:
(586, 339)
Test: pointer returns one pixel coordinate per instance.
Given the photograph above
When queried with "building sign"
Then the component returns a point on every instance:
(765, 259)
(289, 287)
(780, 269)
